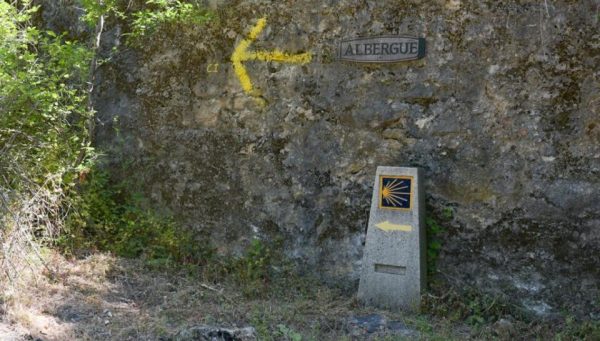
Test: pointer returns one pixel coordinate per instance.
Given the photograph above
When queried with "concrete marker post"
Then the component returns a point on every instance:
(393, 266)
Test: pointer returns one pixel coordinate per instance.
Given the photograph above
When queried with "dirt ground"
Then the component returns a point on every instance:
(103, 297)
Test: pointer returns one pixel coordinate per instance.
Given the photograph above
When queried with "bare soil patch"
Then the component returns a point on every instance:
(103, 297)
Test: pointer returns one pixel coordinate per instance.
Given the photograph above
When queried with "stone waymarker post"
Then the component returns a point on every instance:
(393, 267)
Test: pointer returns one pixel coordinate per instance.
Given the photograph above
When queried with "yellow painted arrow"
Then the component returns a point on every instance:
(241, 54)
(387, 226)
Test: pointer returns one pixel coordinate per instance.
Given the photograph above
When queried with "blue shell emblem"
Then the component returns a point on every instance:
(395, 192)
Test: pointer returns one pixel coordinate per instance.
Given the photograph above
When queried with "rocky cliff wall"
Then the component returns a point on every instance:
(502, 114)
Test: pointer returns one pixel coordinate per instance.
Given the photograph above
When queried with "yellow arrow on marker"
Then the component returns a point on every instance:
(387, 226)
(241, 54)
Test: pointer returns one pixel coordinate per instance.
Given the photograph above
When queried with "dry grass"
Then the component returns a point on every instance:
(107, 298)
(103, 297)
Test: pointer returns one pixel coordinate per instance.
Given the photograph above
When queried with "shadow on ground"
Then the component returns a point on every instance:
(103, 297)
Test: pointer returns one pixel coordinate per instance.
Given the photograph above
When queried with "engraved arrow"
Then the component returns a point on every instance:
(241, 54)
(387, 226)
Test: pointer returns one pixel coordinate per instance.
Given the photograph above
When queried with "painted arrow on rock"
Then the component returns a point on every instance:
(241, 54)
(387, 226)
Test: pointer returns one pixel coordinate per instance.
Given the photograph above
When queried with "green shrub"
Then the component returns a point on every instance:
(43, 101)
(94, 9)
(434, 244)
(110, 217)
(253, 270)
(162, 13)
(261, 270)
(284, 332)
(44, 138)
(146, 17)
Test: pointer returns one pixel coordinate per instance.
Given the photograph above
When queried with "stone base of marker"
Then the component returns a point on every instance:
(393, 267)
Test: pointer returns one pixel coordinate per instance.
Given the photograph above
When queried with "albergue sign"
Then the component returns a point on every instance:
(386, 49)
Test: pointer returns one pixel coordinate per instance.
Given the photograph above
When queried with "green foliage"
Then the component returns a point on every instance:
(253, 269)
(476, 311)
(110, 217)
(262, 320)
(149, 16)
(162, 13)
(44, 139)
(434, 244)
(434, 225)
(43, 100)
(284, 332)
(94, 9)
(579, 330)
(469, 305)
(482, 311)
(447, 213)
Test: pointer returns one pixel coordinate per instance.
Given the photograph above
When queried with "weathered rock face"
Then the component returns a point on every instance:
(502, 114)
